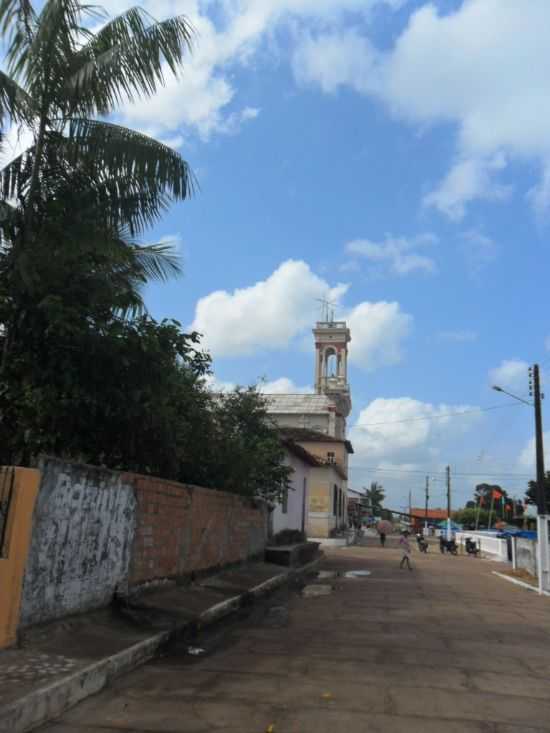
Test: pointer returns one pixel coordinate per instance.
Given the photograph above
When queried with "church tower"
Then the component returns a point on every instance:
(331, 362)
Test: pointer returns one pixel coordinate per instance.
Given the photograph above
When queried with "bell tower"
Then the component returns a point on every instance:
(331, 362)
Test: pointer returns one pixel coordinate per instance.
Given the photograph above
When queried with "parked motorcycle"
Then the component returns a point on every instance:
(422, 544)
(448, 546)
(471, 547)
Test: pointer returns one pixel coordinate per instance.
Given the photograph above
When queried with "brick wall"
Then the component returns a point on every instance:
(96, 531)
(182, 529)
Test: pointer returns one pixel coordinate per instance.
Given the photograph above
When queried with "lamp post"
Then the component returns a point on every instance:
(542, 523)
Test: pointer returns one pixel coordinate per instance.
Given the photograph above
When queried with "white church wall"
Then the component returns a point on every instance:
(296, 504)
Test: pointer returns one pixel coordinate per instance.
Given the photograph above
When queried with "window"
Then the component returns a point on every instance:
(331, 363)
(335, 501)
(330, 457)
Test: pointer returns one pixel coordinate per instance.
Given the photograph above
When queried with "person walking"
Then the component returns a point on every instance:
(406, 549)
(382, 539)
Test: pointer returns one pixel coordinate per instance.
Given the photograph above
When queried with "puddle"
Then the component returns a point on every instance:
(357, 574)
(327, 574)
(312, 591)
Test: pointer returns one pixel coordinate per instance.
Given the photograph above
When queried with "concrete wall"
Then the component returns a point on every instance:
(82, 534)
(489, 544)
(15, 547)
(95, 531)
(296, 504)
(526, 554)
(183, 529)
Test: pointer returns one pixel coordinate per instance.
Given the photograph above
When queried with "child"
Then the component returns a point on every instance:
(406, 547)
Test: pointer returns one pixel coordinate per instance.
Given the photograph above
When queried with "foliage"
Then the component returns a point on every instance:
(84, 372)
(531, 493)
(375, 496)
(246, 453)
(469, 517)
(84, 187)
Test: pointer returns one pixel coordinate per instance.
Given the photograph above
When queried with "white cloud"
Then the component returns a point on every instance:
(397, 442)
(377, 332)
(203, 97)
(335, 59)
(397, 254)
(395, 429)
(283, 385)
(271, 313)
(218, 385)
(527, 456)
(482, 68)
(266, 315)
(511, 374)
(468, 179)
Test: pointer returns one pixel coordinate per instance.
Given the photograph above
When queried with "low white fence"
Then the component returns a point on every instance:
(488, 544)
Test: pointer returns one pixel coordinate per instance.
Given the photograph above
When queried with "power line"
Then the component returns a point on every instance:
(380, 469)
(364, 426)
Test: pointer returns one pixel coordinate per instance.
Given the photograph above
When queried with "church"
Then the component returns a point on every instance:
(317, 424)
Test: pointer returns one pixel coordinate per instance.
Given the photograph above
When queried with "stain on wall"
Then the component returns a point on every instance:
(82, 535)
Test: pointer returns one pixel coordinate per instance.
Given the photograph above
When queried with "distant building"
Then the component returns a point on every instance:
(317, 422)
(434, 516)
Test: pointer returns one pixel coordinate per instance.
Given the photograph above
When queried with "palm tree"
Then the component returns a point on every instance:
(62, 80)
(375, 496)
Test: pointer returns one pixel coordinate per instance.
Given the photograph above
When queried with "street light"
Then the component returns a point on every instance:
(542, 521)
(520, 399)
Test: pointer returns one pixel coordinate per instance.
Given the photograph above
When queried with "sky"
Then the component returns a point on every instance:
(393, 156)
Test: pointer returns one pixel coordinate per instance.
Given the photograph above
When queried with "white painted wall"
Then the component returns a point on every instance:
(489, 544)
(296, 502)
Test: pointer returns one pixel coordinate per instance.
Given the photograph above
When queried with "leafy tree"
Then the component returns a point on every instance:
(531, 493)
(82, 178)
(246, 455)
(468, 517)
(375, 496)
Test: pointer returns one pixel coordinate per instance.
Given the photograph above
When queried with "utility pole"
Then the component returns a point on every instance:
(537, 397)
(427, 499)
(542, 520)
(448, 472)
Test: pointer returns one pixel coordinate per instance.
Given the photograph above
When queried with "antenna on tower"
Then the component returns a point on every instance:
(327, 313)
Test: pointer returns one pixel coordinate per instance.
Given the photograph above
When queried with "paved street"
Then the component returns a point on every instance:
(446, 648)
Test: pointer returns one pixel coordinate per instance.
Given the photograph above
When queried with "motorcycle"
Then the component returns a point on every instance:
(422, 544)
(471, 547)
(449, 546)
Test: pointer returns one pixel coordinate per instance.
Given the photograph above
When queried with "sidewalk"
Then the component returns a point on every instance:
(61, 663)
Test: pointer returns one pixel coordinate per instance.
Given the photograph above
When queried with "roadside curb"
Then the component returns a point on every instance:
(49, 702)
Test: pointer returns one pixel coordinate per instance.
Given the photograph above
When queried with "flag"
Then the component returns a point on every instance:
(497, 494)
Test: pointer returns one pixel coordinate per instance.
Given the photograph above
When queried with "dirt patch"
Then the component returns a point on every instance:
(521, 574)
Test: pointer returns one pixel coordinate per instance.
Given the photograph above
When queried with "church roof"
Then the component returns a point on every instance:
(299, 403)
(306, 435)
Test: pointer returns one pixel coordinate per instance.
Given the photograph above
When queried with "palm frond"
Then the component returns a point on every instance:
(15, 103)
(157, 261)
(17, 21)
(125, 60)
(122, 152)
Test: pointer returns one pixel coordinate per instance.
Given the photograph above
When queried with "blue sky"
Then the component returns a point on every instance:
(396, 156)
